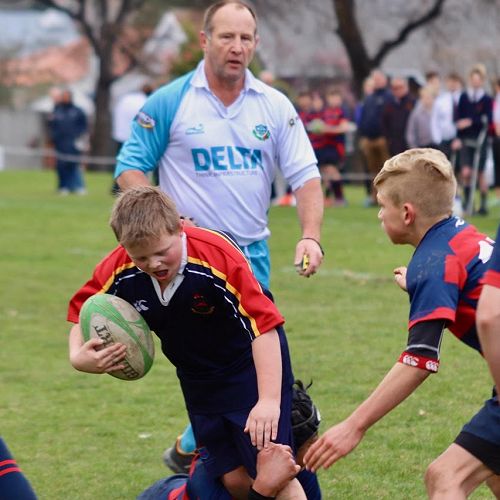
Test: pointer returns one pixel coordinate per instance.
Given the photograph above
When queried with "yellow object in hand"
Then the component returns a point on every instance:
(305, 262)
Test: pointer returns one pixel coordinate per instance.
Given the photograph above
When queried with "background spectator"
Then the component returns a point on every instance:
(372, 141)
(444, 113)
(418, 130)
(395, 116)
(67, 124)
(496, 140)
(474, 117)
(123, 115)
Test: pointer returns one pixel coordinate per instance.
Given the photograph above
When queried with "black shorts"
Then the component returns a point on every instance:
(328, 156)
(481, 436)
(468, 152)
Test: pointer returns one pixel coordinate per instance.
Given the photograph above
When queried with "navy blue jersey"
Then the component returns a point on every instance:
(207, 326)
(444, 283)
(480, 112)
(492, 276)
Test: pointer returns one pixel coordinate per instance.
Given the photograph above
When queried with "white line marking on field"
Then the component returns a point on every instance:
(347, 274)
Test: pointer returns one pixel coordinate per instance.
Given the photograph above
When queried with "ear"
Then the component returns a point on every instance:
(409, 214)
(203, 39)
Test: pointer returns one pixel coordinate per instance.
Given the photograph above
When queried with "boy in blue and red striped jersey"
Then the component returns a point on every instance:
(13, 483)
(336, 125)
(196, 290)
(416, 189)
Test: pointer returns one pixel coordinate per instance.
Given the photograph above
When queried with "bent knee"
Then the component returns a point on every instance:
(439, 475)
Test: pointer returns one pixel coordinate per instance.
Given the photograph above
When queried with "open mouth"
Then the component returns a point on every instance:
(161, 275)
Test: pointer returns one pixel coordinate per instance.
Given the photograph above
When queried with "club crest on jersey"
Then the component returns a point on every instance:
(200, 305)
(198, 129)
(261, 132)
(144, 120)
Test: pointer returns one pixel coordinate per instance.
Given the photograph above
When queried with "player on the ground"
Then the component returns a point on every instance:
(216, 325)
(275, 464)
(415, 192)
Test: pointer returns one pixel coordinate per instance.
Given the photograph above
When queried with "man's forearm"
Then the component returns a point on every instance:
(131, 178)
(310, 208)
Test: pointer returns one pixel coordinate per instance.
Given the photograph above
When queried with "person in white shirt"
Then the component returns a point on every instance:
(218, 136)
(123, 115)
(443, 126)
(124, 112)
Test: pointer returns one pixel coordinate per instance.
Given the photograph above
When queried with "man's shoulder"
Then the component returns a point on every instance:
(173, 90)
(260, 90)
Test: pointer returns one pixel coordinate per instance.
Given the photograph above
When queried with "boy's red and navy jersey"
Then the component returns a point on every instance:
(492, 275)
(444, 283)
(13, 483)
(334, 117)
(318, 140)
(207, 327)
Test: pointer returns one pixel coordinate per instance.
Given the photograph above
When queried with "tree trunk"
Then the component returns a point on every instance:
(101, 143)
(350, 34)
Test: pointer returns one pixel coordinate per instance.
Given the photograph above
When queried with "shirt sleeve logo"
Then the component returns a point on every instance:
(261, 132)
(144, 120)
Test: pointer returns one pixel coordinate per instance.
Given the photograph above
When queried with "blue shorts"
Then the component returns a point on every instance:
(257, 254)
(222, 444)
(481, 436)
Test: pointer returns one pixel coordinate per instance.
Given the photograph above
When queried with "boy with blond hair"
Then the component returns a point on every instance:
(196, 291)
(416, 189)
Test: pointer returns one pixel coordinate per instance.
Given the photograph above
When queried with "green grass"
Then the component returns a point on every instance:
(80, 436)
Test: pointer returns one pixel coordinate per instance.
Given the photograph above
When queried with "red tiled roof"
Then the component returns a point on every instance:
(63, 64)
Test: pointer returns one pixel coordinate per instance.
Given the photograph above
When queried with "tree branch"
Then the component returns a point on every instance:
(411, 26)
(79, 17)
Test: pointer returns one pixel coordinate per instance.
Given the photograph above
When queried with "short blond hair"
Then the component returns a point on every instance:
(142, 213)
(421, 176)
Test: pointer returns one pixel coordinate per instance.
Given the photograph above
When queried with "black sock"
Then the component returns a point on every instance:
(336, 187)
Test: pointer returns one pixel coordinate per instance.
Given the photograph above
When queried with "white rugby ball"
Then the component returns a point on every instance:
(113, 320)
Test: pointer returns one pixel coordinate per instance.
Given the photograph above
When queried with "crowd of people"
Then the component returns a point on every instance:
(459, 119)
(462, 120)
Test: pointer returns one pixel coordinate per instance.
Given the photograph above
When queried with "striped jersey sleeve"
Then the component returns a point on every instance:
(105, 274)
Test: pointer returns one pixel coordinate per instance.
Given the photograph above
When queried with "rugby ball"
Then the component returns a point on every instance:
(113, 320)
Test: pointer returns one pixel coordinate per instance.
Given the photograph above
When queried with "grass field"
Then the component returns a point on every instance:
(81, 436)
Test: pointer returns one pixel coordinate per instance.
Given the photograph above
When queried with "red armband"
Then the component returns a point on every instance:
(429, 364)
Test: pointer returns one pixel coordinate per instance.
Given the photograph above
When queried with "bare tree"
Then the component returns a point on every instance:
(103, 23)
(349, 32)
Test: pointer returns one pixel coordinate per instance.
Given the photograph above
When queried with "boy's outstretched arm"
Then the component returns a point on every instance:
(262, 422)
(488, 327)
(342, 438)
(89, 357)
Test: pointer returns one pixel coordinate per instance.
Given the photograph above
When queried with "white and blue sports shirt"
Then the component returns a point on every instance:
(217, 163)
